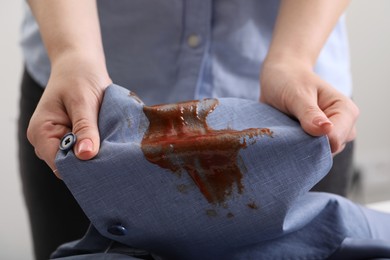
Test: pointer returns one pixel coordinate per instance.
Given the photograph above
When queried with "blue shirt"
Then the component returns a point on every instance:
(172, 50)
(265, 211)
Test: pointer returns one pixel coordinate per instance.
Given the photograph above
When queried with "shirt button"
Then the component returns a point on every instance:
(117, 230)
(193, 40)
(67, 141)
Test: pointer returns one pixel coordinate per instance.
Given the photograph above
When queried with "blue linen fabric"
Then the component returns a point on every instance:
(274, 217)
(147, 47)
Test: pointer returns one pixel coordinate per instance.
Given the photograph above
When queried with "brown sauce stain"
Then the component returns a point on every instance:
(252, 205)
(179, 139)
(230, 215)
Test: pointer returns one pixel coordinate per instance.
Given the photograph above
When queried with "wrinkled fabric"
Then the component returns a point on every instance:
(274, 217)
(146, 46)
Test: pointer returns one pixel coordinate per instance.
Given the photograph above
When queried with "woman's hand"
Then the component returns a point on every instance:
(71, 33)
(287, 78)
(291, 86)
(70, 103)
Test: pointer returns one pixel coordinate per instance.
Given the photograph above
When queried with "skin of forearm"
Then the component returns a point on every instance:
(303, 26)
(69, 27)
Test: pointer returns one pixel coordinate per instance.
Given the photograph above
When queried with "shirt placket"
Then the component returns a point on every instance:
(194, 47)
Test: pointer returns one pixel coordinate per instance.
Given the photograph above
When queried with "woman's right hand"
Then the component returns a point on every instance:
(70, 103)
(71, 34)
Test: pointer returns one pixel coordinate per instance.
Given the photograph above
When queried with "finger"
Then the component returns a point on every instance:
(343, 132)
(48, 150)
(84, 125)
(312, 119)
(340, 148)
(57, 174)
(343, 113)
(46, 139)
(352, 135)
(339, 151)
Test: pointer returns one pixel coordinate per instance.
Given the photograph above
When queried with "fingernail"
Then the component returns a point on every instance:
(85, 145)
(320, 121)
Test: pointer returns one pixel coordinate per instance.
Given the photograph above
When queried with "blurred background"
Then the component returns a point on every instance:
(369, 32)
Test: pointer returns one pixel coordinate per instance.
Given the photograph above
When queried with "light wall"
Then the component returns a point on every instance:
(14, 236)
(369, 32)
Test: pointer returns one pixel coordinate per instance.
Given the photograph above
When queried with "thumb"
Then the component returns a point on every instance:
(312, 119)
(84, 125)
